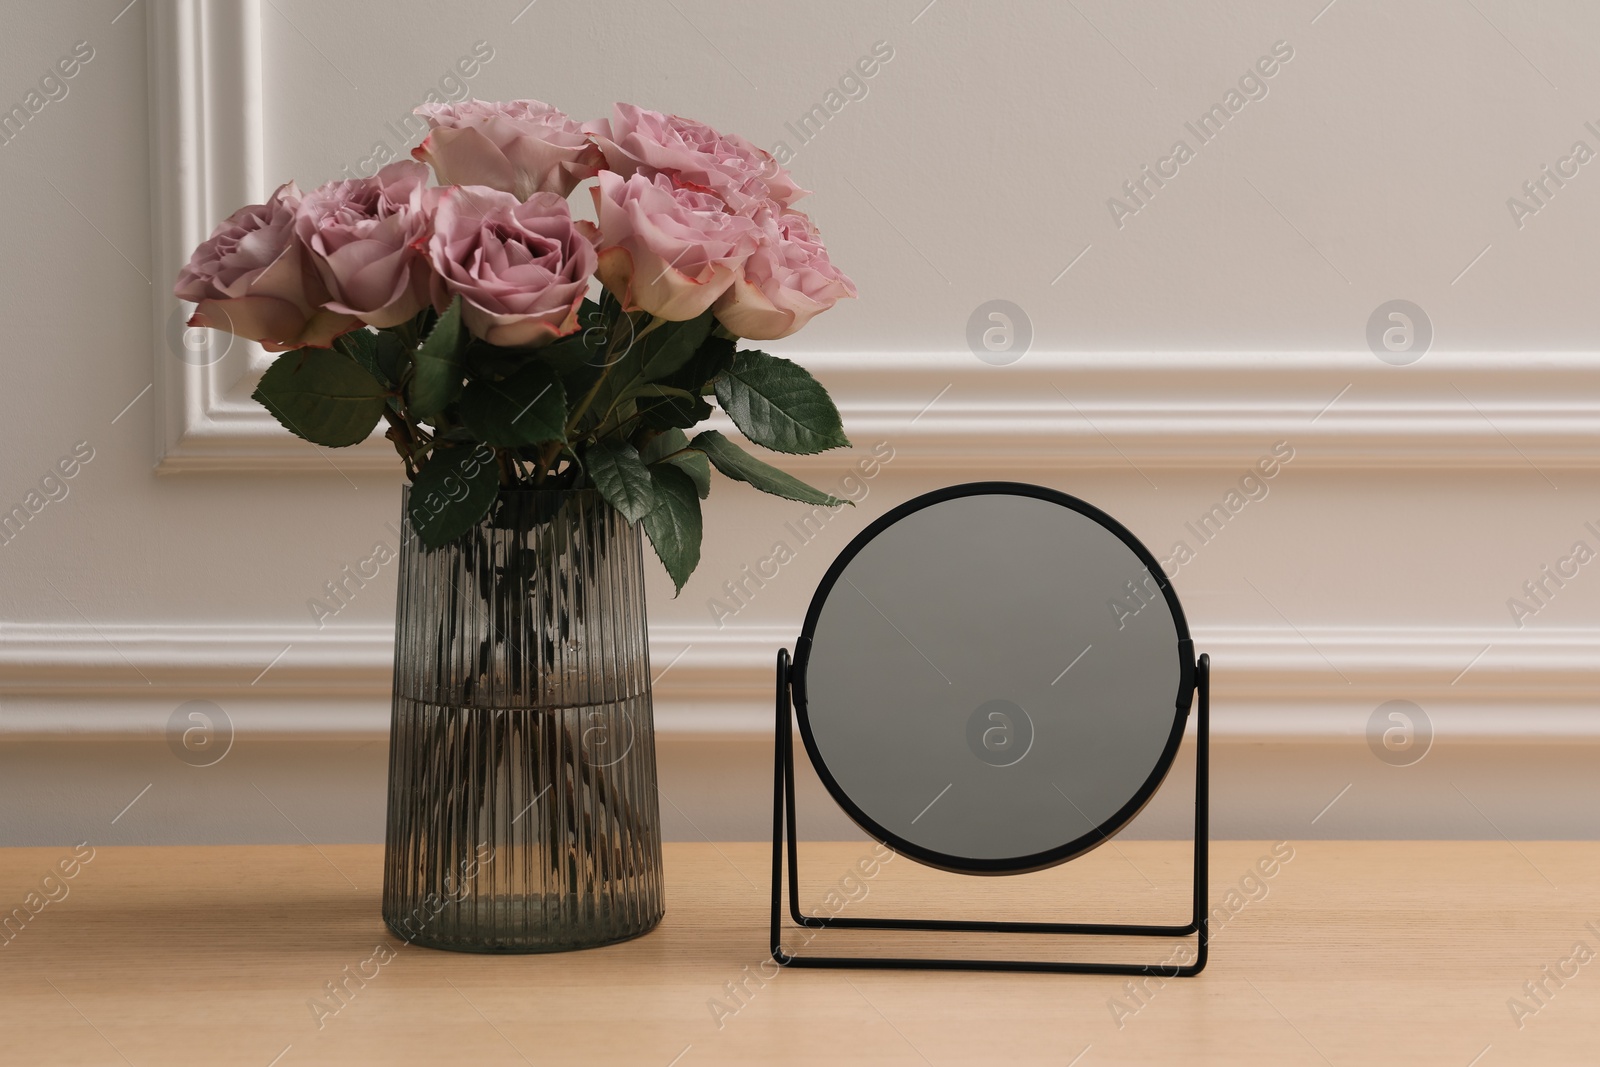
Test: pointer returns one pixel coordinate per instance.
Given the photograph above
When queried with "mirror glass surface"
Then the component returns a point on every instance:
(990, 678)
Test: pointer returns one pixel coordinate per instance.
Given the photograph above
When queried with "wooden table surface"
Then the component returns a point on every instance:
(1348, 953)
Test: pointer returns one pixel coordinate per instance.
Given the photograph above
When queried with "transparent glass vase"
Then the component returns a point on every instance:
(523, 814)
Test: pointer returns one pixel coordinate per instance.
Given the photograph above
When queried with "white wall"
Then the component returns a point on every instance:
(1228, 314)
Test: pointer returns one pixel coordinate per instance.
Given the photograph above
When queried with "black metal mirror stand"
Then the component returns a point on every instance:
(783, 838)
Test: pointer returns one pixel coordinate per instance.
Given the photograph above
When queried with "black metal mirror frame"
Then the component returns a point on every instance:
(1063, 852)
(1194, 677)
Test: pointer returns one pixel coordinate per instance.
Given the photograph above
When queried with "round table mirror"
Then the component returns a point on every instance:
(993, 678)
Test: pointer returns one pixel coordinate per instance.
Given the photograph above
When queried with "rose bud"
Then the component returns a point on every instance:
(365, 236)
(251, 278)
(520, 147)
(521, 269)
(787, 280)
(638, 141)
(666, 249)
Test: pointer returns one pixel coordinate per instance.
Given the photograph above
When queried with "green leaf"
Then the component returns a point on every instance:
(480, 359)
(420, 324)
(525, 409)
(656, 390)
(673, 524)
(697, 467)
(672, 446)
(651, 357)
(740, 465)
(580, 357)
(323, 396)
(624, 481)
(779, 405)
(436, 379)
(361, 345)
(391, 357)
(572, 351)
(674, 412)
(662, 445)
(670, 345)
(452, 492)
(715, 355)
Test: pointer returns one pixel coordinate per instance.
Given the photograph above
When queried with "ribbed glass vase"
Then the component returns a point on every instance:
(522, 779)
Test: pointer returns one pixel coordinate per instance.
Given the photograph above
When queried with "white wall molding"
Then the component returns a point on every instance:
(207, 144)
(1271, 684)
(1107, 410)
(1219, 409)
(1047, 411)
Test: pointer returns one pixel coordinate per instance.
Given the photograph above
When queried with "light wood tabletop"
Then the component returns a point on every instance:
(1448, 953)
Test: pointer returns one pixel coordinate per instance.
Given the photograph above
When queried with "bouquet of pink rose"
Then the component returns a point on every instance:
(457, 314)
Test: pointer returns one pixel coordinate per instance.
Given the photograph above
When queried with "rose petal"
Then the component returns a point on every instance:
(520, 269)
(465, 157)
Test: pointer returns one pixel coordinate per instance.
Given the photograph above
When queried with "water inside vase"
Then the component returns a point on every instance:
(523, 812)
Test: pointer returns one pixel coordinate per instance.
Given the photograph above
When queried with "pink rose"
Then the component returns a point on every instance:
(365, 236)
(521, 269)
(665, 249)
(786, 281)
(251, 278)
(520, 147)
(637, 141)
